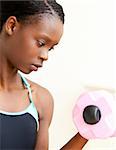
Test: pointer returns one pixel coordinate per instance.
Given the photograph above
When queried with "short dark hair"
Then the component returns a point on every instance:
(23, 9)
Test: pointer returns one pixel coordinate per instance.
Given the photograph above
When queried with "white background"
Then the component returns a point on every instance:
(85, 57)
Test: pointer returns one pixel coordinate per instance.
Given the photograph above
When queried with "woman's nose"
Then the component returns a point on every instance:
(44, 55)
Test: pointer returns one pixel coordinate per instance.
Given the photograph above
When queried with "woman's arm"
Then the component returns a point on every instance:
(76, 143)
(44, 106)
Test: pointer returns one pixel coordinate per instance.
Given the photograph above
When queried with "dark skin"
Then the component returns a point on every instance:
(20, 47)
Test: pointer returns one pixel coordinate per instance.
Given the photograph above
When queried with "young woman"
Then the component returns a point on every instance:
(28, 31)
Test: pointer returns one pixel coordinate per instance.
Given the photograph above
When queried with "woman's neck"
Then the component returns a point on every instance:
(9, 77)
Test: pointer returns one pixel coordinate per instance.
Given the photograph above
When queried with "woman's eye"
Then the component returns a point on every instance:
(52, 48)
(41, 43)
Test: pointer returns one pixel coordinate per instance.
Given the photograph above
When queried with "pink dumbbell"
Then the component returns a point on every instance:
(94, 114)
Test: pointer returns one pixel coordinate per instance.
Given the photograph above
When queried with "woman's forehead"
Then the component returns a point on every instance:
(49, 27)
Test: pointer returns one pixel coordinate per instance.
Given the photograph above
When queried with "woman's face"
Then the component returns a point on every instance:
(28, 45)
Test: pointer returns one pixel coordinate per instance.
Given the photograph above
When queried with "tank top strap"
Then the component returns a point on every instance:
(28, 87)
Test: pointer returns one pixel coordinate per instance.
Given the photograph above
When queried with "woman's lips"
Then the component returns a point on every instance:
(34, 68)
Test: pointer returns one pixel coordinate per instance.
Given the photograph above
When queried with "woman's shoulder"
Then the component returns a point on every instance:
(42, 97)
(41, 91)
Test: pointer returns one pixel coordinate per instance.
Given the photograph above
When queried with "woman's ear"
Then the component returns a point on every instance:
(10, 25)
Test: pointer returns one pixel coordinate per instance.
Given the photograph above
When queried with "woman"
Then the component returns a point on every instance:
(28, 31)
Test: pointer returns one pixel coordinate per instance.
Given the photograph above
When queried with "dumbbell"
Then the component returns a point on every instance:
(94, 114)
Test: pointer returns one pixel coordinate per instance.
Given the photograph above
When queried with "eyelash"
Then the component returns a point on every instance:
(41, 44)
(52, 48)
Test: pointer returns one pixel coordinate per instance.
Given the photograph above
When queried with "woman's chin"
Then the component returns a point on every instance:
(25, 71)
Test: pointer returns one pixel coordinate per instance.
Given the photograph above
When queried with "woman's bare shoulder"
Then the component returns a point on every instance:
(42, 98)
(40, 90)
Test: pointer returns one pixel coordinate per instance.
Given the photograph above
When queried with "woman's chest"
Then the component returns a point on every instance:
(14, 101)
